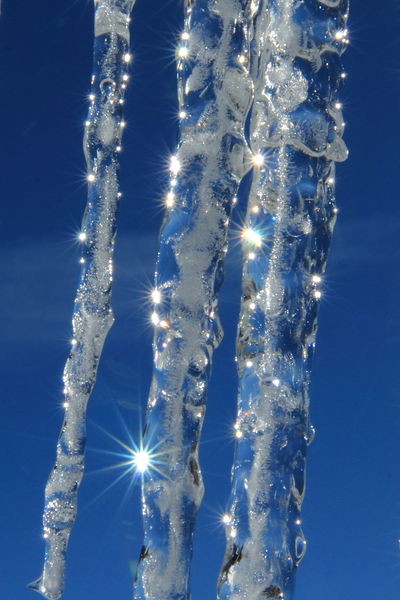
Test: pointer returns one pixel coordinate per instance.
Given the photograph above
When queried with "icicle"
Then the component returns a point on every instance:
(92, 316)
(295, 136)
(214, 96)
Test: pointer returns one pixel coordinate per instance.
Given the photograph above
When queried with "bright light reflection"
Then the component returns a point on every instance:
(258, 160)
(183, 52)
(134, 460)
(170, 200)
(141, 461)
(251, 236)
(156, 296)
(174, 165)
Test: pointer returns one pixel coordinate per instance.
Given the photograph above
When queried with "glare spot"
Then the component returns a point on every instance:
(155, 319)
(156, 296)
(125, 77)
(249, 363)
(316, 279)
(182, 114)
(276, 382)
(141, 460)
(317, 294)
(127, 57)
(91, 178)
(174, 165)
(226, 518)
(341, 35)
(251, 236)
(170, 200)
(183, 52)
(258, 160)
(82, 237)
(185, 35)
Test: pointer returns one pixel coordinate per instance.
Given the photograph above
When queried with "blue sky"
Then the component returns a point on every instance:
(352, 505)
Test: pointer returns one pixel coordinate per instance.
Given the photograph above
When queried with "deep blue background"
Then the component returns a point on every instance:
(352, 506)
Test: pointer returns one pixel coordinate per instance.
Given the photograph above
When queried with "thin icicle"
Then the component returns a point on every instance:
(295, 127)
(92, 316)
(214, 98)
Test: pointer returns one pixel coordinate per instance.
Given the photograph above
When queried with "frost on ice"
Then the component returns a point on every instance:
(214, 98)
(92, 316)
(295, 133)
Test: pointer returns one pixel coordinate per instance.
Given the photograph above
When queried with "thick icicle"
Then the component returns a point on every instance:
(214, 99)
(295, 133)
(92, 316)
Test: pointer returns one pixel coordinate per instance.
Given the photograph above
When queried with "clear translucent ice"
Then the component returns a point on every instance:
(295, 131)
(214, 95)
(92, 316)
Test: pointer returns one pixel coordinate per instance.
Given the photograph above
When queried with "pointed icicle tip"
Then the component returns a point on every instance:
(37, 586)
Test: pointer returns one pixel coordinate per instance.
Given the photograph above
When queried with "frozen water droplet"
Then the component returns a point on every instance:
(300, 548)
(310, 435)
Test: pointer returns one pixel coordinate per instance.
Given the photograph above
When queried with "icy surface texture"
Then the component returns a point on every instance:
(92, 316)
(214, 96)
(295, 136)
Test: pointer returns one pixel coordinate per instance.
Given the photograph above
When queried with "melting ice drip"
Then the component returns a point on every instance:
(214, 98)
(92, 316)
(295, 131)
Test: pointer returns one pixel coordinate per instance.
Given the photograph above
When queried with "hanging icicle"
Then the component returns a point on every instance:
(92, 316)
(296, 126)
(214, 97)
